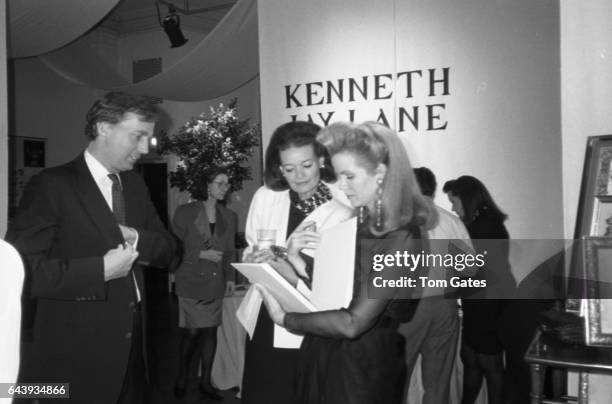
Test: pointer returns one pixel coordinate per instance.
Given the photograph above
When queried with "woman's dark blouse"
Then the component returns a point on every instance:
(480, 317)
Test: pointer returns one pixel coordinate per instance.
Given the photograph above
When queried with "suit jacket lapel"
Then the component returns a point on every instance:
(94, 203)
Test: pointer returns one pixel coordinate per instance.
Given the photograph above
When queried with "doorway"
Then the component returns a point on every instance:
(155, 176)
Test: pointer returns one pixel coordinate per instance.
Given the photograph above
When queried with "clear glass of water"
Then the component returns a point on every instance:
(266, 238)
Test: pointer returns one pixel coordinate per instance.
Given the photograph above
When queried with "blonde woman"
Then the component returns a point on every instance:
(355, 355)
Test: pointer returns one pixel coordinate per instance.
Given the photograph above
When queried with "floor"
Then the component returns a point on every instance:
(163, 337)
(163, 340)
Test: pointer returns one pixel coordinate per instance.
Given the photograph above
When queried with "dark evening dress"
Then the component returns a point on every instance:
(368, 368)
(265, 365)
(481, 317)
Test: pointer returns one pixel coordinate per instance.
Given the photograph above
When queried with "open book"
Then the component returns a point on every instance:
(289, 298)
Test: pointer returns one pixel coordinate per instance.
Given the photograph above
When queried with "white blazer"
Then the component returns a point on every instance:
(270, 210)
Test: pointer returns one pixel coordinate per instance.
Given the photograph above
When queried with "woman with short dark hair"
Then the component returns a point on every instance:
(298, 199)
(294, 134)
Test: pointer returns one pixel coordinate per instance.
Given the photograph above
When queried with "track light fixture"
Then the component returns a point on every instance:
(172, 27)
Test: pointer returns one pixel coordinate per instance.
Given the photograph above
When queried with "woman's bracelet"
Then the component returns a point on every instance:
(278, 251)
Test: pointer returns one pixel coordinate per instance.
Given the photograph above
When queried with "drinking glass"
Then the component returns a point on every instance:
(266, 238)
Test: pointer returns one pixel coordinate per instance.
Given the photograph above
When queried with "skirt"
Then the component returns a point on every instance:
(269, 373)
(370, 369)
(195, 313)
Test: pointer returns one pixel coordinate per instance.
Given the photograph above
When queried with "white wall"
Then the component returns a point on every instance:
(586, 101)
(503, 109)
(586, 90)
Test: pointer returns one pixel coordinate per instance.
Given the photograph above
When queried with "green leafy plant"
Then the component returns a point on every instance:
(216, 139)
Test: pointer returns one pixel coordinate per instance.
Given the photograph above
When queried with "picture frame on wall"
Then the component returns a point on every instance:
(594, 216)
(34, 152)
(28, 157)
(597, 253)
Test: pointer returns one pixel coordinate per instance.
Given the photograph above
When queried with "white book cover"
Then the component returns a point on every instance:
(334, 267)
(332, 286)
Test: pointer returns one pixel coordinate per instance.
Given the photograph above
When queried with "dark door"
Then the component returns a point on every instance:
(156, 178)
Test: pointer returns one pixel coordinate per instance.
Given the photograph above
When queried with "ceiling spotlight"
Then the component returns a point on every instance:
(172, 27)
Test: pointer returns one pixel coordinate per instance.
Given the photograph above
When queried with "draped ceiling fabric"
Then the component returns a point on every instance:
(80, 63)
(226, 59)
(41, 26)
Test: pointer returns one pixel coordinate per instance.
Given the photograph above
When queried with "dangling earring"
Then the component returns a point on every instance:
(361, 214)
(322, 165)
(378, 206)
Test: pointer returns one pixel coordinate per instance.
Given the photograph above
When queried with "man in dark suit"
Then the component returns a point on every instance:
(85, 229)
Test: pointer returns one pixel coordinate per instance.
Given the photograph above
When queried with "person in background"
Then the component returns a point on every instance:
(85, 230)
(298, 194)
(481, 347)
(207, 230)
(434, 329)
(355, 354)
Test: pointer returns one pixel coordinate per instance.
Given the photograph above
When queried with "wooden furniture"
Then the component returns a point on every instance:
(547, 352)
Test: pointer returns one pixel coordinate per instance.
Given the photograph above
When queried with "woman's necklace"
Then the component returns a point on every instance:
(322, 194)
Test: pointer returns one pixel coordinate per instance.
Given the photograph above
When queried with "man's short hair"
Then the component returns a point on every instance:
(427, 181)
(114, 105)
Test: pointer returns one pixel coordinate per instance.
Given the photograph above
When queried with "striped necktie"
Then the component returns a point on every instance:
(118, 201)
(119, 212)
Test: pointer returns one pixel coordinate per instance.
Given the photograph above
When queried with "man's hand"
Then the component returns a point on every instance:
(118, 261)
(129, 234)
(211, 255)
